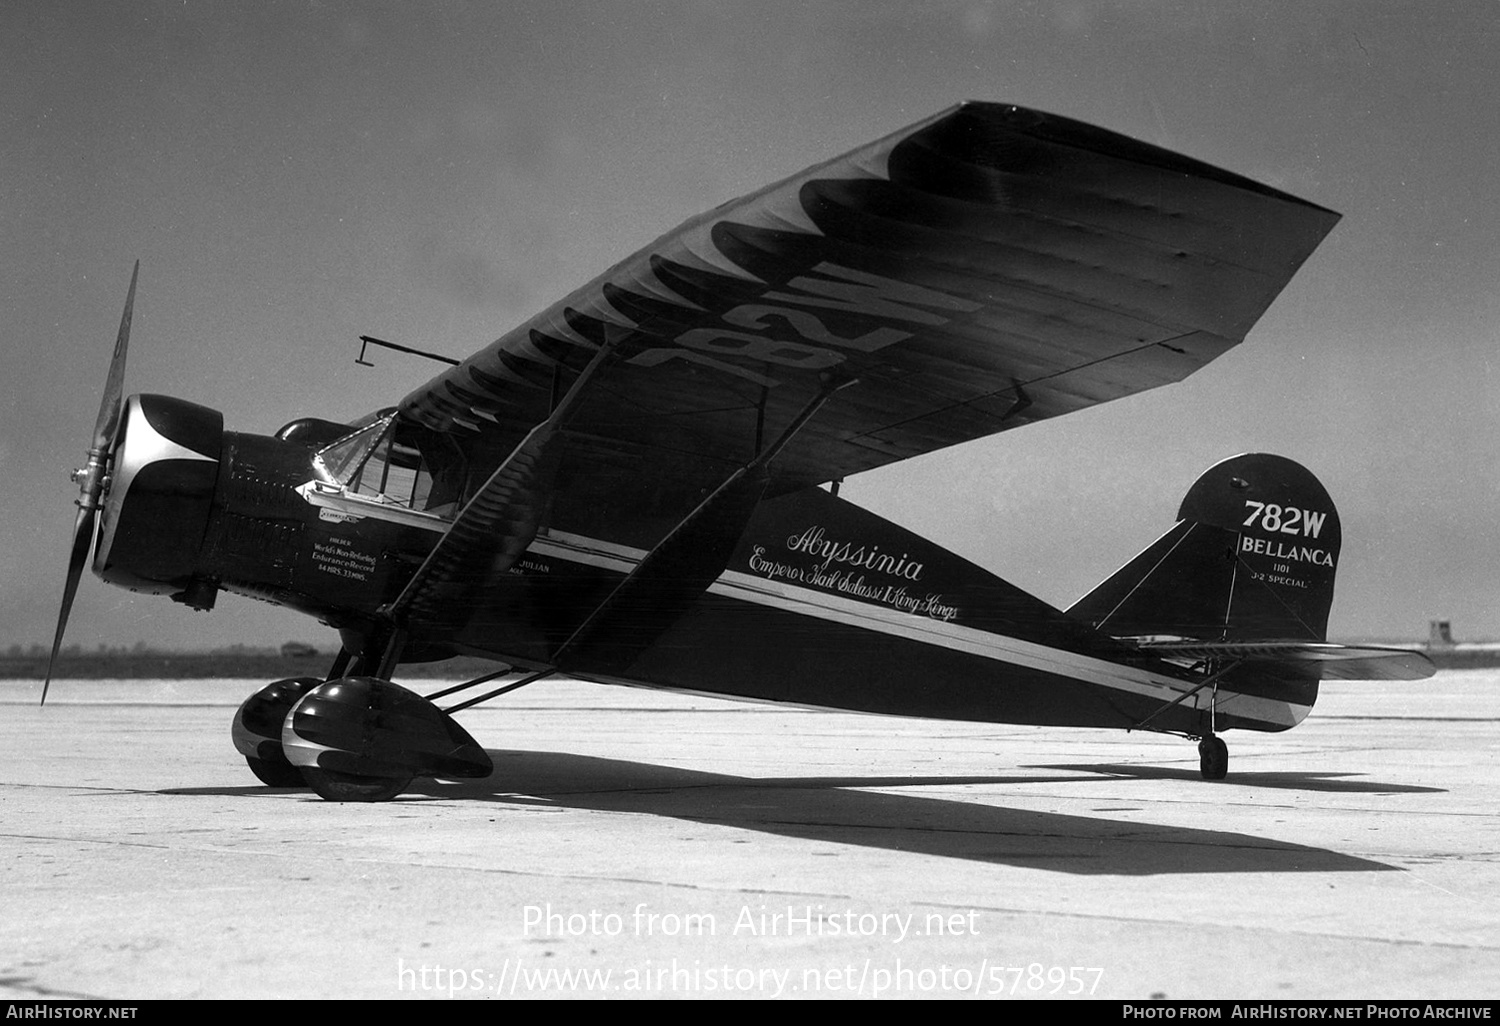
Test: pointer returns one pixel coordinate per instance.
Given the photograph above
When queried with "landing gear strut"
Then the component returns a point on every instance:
(1213, 753)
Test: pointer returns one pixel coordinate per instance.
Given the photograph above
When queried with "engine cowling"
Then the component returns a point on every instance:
(159, 498)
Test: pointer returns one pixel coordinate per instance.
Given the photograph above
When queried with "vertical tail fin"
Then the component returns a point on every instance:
(1252, 557)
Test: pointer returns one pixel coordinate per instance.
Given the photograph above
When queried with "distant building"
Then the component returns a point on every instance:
(1448, 654)
(298, 650)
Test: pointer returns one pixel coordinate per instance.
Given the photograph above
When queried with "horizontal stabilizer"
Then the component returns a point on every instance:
(1337, 662)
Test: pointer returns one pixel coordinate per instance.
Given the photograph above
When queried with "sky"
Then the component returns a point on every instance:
(294, 174)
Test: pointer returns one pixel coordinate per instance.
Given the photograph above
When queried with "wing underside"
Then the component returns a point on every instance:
(983, 269)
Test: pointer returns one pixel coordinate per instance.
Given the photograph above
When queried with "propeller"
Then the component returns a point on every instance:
(91, 477)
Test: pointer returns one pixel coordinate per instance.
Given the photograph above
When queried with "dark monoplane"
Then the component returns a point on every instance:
(639, 484)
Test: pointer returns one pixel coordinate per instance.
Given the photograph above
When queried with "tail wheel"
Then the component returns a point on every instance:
(1213, 757)
(334, 786)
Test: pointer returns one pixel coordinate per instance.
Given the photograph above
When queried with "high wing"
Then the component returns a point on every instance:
(988, 267)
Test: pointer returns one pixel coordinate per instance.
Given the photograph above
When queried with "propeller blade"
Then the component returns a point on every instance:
(83, 539)
(91, 477)
(109, 404)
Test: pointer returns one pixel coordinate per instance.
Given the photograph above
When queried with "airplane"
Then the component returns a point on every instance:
(639, 485)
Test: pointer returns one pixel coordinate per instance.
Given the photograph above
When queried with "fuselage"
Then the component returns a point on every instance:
(821, 603)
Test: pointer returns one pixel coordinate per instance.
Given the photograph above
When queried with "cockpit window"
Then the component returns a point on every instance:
(341, 461)
(397, 463)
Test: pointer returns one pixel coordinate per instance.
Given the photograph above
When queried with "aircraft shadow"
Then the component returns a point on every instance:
(1332, 782)
(829, 809)
(836, 810)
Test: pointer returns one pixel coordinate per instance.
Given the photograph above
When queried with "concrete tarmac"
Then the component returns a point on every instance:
(640, 844)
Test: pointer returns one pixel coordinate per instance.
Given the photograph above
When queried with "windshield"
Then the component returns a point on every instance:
(340, 462)
(397, 463)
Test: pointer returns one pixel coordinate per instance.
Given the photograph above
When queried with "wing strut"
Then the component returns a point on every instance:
(665, 584)
(491, 532)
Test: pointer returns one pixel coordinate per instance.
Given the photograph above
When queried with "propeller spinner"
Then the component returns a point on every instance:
(92, 476)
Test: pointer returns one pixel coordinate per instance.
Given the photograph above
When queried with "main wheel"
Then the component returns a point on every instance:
(256, 730)
(334, 786)
(364, 739)
(1213, 758)
(275, 774)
